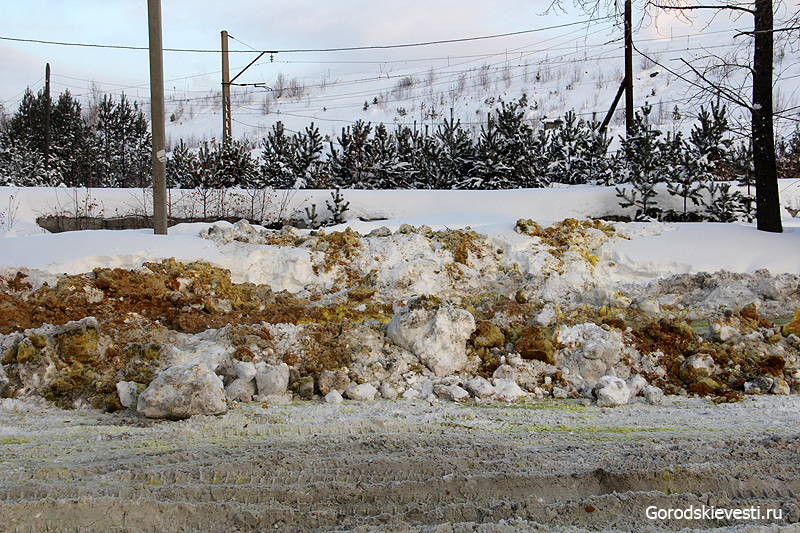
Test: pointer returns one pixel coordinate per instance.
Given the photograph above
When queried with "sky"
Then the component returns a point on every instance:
(305, 24)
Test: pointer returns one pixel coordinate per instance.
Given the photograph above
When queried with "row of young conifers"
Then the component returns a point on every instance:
(111, 148)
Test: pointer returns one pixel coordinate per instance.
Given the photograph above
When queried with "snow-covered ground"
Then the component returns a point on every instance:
(647, 251)
(616, 300)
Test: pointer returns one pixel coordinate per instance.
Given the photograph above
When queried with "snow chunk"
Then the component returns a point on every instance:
(360, 393)
(437, 335)
(611, 392)
(182, 391)
(590, 350)
(507, 390)
(128, 394)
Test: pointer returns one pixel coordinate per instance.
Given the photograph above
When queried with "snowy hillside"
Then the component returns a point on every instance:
(569, 69)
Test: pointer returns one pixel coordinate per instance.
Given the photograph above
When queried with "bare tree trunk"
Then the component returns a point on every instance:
(768, 212)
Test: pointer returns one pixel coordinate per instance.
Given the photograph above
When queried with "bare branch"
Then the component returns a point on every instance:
(773, 31)
(707, 86)
(729, 7)
(717, 87)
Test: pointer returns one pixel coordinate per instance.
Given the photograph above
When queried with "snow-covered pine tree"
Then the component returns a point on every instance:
(309, 167)
(406, 147)
(351, 166)
(570, 151)
(642, 153)
(506, 149)
(457, 156)
(235, 166)
(683, 183)
(596, 155)
(707, 154)
(724, 204)
(203, 176)
(124, 145)
(68, 161)
(743, 171)
(70, 140)
(278, 160)
(427, 160)
(789, 156)
(26, 126)
(387, 169)
(337, 207)
(22, 166)
(491, 170)
(179, 167)
(707, 160)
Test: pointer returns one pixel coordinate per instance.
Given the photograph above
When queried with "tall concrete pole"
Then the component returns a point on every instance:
(157, 118)
(47, 117)
(226, 91)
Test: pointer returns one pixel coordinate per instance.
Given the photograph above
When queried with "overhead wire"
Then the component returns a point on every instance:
(447, 72)
(319, 50)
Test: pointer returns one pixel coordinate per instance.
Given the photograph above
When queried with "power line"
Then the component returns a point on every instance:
(316, 50)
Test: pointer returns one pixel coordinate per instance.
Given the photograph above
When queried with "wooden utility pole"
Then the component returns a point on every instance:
(226, 91)
(157, 118)
(628, 68)
(47, 117)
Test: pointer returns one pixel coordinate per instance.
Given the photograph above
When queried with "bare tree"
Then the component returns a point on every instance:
(760, 105)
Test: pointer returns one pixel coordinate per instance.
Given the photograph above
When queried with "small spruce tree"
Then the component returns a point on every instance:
(642, 154)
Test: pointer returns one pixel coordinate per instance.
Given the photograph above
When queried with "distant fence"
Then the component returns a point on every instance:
(59, 224)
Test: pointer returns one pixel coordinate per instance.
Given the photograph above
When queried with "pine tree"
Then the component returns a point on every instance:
(457, 155)
(577, 152)
(71, 138)
(234, 166)
(406, 141)
(491, 169)
(307, 160)
(789, 156)
(180, 166)
(26, 126)
(506, 149)
(387, 168)
(704, 160)
(564, 150)
(338, 207)
(22, 166)
(596, 155)
(743, 171)
(68, 161)
(124, 144)
(723, 204)
(426, 160)
(643, 167)
(278, 164)
(352, 165)
(709, 145)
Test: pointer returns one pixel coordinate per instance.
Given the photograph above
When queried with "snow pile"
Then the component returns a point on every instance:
(480, 305)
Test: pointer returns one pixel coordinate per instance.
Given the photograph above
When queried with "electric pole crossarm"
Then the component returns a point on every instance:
(247, 67)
